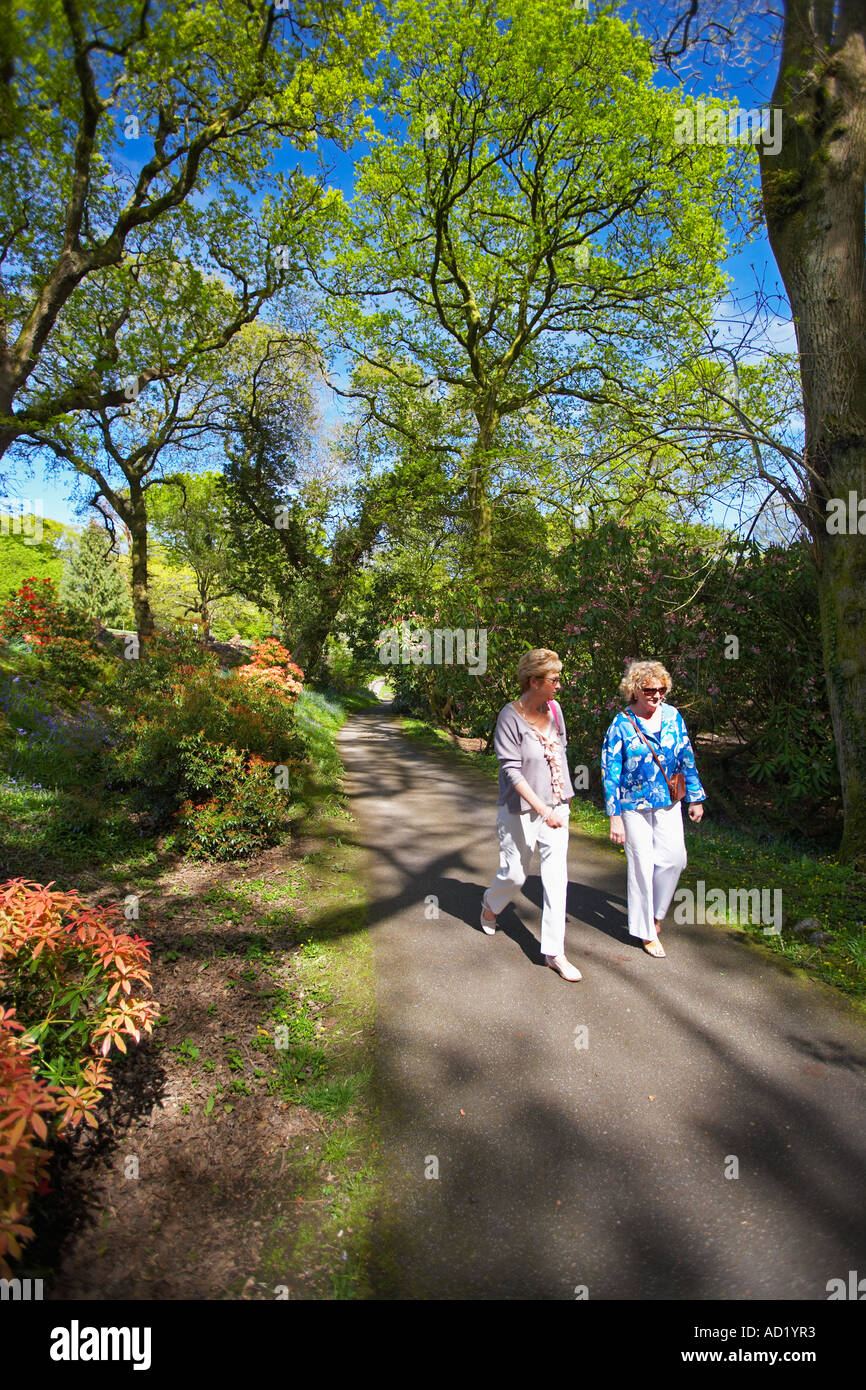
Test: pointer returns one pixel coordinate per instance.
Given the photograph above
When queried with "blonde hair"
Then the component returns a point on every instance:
(638, 673)
(541, 661)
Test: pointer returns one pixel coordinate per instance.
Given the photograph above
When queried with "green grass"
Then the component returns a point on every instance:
(437, 738)
(811, 885)
(339, 1146)
(320, 716)
(269, 892)
(327, 1069)
(588, 818)
(334, 1098)
(46, 830)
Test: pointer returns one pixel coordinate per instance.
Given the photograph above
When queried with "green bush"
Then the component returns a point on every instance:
(203, 749)
(156, 669)
(73, 667)
(618, 594)
(185, 739)
(248, 815)
(164, 731)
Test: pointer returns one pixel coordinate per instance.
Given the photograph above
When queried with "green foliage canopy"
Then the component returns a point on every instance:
(527, 234)
(204, 95)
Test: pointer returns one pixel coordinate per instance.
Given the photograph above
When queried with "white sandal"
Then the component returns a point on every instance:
(488, 927)
(564, 967)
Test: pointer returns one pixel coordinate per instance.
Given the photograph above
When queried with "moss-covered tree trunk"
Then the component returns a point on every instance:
(814, 201)
(135, 517)
(131, 507)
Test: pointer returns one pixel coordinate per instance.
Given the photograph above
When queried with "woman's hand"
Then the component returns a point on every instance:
(617, 830)
(696, 811)
(555, 819)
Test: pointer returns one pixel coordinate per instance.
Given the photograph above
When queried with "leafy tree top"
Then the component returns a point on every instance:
(528, 226)
(130, 117)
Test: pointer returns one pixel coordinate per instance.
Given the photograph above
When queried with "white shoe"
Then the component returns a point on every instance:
(488, 927)
(564, 967)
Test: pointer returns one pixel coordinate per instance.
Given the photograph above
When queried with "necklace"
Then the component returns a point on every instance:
(522, 708)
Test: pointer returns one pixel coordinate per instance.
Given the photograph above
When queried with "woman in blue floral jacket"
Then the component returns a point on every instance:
(638, 800)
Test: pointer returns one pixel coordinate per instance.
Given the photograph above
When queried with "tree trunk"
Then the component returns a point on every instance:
(842, 597)
(349, 550)
(204, 610)
(480, 509)
(814, 200)
(8, 433)
(136, 520)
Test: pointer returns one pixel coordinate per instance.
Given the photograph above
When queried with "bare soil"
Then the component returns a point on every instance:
(166, 1201)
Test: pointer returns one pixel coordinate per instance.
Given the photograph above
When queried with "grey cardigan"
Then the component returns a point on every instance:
(521, 756)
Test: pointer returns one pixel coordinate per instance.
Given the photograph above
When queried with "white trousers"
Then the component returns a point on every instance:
(655, 848)
(518, 837)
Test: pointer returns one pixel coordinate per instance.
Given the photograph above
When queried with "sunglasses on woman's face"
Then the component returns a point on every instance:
(653, 689)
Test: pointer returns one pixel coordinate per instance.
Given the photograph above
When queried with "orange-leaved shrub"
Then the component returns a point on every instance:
(70, 987)
(24, 1105)
(272, 667)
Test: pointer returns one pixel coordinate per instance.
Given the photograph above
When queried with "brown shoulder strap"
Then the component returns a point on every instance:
(653, 751)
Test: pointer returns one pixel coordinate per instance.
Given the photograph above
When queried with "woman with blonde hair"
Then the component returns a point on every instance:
(648, 767)
(534, 792)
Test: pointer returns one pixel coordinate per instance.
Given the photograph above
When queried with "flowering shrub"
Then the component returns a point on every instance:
(73, 666)
(75, 981)
(203, 750)
(35, 616)
(273, 668)
(403, 632)
(31, 612)
(136, 685)
(61, 737)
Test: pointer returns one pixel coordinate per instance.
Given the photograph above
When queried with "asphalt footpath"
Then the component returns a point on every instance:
(689, 1128)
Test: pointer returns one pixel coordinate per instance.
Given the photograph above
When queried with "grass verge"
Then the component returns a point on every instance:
(431, 737)
(321, 1028)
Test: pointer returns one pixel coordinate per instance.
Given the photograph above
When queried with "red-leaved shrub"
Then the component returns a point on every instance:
(33, 613)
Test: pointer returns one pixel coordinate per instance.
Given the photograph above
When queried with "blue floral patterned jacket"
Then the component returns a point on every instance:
(631, 776)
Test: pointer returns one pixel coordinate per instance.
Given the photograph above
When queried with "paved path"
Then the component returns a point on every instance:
(601, 1166)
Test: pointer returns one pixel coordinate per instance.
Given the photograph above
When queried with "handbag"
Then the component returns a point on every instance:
(676, 784)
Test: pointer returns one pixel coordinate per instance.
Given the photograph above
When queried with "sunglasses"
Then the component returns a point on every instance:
(653, 689)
